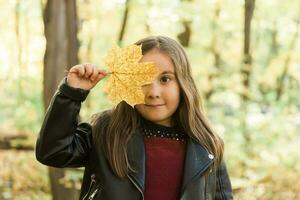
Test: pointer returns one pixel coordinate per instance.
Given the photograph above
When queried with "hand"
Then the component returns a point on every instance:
(84, 76)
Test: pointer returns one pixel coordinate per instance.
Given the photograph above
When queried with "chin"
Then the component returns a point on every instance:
(152, 115)
(155, 117)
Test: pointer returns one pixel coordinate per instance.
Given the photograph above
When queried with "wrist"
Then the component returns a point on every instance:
(76, 94)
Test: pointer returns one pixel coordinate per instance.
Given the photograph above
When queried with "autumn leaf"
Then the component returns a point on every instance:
(128, 75)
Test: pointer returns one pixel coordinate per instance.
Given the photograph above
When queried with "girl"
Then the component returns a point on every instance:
(161, 150)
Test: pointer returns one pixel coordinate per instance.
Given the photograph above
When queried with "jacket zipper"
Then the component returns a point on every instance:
(199, 174)
(205, 187)
(134, 183)
(93, 194)
(93, 181)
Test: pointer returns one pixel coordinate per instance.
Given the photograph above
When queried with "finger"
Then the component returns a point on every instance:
(74, 69)
(99, 77)
(95, 74)
(101, 71)
(88, 70)
(78, 69)
(81, 70)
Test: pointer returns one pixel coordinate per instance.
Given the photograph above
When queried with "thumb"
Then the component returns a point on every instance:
(100, 77)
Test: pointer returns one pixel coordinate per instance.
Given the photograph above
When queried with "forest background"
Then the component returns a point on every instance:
(245, 59)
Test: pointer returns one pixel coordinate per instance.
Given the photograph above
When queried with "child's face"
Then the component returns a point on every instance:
(163, 95)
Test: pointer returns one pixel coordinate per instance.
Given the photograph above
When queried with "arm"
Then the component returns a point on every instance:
(62, 142)
(223, 185)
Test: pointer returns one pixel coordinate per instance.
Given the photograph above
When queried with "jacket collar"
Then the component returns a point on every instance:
(197, 160)
(136, 157)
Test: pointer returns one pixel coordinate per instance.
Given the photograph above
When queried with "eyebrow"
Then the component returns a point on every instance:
(167, 72)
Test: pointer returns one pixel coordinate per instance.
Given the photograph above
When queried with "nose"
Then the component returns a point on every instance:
(152, 91)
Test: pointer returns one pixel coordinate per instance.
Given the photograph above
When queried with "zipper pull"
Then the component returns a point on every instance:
(93, 180)
(93, 194)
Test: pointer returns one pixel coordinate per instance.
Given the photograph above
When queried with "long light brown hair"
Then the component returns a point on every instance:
(123, 119)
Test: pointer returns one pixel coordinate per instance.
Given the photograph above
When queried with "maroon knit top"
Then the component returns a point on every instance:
(165, 155)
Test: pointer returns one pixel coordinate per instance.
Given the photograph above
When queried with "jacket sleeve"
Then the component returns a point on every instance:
(62, 142)
(223, 184)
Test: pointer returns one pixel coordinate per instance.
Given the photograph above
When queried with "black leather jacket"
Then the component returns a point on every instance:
(62, 142)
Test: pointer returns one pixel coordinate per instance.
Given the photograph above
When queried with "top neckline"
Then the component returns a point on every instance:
(151, 129)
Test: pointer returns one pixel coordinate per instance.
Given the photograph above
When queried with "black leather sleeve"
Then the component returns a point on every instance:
(62, 142)
(223, 186)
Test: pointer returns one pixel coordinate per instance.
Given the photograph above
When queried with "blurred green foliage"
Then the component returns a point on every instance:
(267, 166)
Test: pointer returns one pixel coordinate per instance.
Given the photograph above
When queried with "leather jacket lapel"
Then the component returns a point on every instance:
(136, 157)
(197, 160)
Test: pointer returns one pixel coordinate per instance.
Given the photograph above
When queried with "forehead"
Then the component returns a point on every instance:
(161, 60)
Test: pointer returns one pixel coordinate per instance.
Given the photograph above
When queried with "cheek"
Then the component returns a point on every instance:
(173, 95)
(138, 107)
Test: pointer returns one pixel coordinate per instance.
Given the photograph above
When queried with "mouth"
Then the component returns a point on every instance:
(156, 105)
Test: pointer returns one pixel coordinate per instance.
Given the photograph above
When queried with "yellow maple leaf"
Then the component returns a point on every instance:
(128, 75)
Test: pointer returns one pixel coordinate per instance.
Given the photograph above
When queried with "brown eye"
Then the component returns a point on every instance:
(164, 79)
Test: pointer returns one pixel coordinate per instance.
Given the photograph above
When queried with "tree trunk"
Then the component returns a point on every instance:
(246, 72)
(60, 26)
(215, 50)
(20, 49)
(147, 25)
(185, 36)
(247, 57)
(287, 61)
(124, 23)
